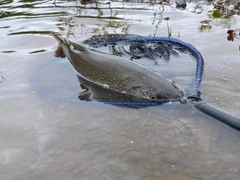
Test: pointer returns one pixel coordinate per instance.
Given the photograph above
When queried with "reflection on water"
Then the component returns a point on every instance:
(48, 138)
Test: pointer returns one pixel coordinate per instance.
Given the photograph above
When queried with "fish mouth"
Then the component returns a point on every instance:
(179, 91)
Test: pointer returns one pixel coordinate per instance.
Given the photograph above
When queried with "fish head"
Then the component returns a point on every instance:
(160, 93)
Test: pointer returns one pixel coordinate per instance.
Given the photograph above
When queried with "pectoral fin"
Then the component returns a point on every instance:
(85, 95)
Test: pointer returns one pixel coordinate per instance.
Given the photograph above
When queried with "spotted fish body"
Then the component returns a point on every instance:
(113, 78)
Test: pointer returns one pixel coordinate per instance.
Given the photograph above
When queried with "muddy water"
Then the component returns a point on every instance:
(43, 137)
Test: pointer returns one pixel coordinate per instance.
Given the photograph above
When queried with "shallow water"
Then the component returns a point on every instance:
(43, 137)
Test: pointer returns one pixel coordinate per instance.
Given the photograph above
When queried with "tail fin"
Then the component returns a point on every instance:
(59, 52)
(56, 37)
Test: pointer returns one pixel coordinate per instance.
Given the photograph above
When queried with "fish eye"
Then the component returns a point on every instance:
(157, 96)
(153, 97)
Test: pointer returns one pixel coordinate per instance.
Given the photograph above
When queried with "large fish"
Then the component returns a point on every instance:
(112, 78)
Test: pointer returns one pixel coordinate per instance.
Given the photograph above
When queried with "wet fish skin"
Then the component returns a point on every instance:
(127, 80)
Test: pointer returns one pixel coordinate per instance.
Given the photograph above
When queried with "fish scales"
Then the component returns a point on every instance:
(128, 79)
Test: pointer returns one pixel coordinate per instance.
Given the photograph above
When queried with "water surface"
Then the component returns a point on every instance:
(42, 137)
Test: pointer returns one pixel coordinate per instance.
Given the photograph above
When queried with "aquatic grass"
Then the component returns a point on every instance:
(106, 17)
(1, 77)
(29, 32)
(168, 28)
(25, 15)
(8, 51)
(38, 51)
